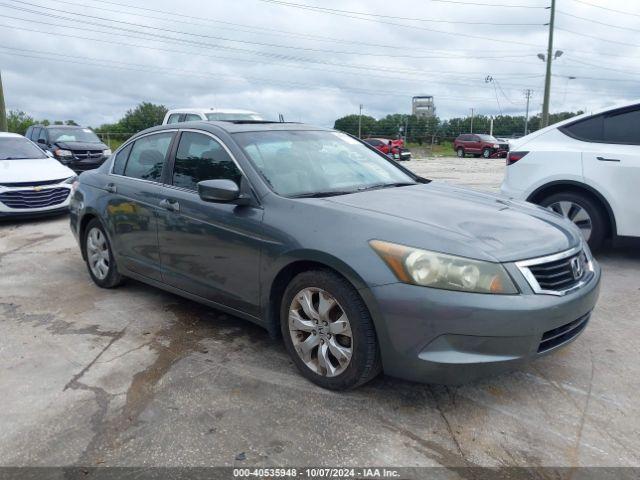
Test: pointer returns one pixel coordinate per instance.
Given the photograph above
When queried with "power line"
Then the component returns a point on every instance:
(607, 8)
(96, 62)
(272, 31)
(626, 44)
(235, 49)
(199, 35)
(402, 25)
(597, 21)
(457, 2)
(394, 17)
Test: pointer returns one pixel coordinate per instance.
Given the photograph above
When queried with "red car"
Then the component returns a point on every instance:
(480, 145)
(394, 148)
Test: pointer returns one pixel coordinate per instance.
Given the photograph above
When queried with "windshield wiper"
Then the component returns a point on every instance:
(330, 193)
(387, 185)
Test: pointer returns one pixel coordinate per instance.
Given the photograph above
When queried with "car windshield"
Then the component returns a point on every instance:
(19, 148)
(232, 116)
(487, 138)
(318, 163)
(84, 135)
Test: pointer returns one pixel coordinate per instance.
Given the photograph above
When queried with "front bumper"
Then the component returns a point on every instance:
(446, 337)
(33, 202)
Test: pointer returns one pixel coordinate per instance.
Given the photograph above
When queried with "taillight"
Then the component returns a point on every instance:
(513, 157)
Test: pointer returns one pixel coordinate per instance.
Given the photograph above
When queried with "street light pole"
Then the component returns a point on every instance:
(547, 79)
(3, 112)
(527, 94)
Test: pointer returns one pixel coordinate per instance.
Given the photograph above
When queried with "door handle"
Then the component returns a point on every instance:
(170, 205)
(110, 187)
(602, 159)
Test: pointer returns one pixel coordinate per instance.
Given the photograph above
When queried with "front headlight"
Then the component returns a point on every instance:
(62, 153)
(70, 180)
(447, 272)
(495, 145)
(106, 152)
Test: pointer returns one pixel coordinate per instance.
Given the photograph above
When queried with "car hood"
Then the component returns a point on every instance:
(36, 170)
(81, 146)
(468, 223)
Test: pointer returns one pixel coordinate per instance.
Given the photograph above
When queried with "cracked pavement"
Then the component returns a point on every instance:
(139, 377)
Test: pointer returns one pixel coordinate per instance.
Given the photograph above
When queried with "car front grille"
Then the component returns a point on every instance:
(25, 199)
(557, 274)
(33, 184)
(553, 338)
(504, 146)
(88, 154)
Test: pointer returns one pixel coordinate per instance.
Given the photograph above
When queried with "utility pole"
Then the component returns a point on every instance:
(360, 123)
(491, 127)
(527, 93)
(547, 79)
(3, 112)
(472, 112)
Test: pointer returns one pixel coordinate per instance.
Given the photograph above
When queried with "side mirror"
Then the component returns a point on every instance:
(42, 141)
(220, 191)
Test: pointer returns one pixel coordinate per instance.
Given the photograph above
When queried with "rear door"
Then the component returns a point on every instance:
(611, 163)
(209, 249)
(135, 184)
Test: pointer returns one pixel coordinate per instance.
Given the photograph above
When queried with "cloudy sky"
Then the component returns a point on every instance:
(313, 60)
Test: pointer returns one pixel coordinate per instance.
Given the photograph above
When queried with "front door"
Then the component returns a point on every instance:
(612, 165)
(209, 249)
(135, 193)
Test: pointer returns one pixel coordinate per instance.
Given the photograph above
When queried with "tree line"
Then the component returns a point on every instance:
(425, 130)
(145, 115)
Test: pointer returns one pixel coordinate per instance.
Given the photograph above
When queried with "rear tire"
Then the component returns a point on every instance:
(99, 256)
(460, 152)
(584, 212)
(334, 346)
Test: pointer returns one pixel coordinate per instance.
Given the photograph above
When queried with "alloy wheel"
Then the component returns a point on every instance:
(577, 214)
(320, 332)
(98, 253)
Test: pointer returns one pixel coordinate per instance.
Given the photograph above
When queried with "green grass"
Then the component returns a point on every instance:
(444, 149)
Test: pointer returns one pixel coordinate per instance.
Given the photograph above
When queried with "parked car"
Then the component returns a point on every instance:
(78, 148)
(586, 169)
(31, 182)
(208, 114)
(480, 145)
(359, 264)
(394, 148)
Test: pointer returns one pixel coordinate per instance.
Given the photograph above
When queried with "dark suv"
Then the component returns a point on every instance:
(478, 145)
(78, 148)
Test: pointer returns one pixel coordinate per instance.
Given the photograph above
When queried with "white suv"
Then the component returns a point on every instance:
(212, 114)
(586, 168)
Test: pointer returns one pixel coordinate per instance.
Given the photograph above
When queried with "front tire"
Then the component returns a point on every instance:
(587, 214)
(328, 331)
(486, 153)
(99, 256)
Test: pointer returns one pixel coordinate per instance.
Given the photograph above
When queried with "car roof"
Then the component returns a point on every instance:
(210, 110)
(232, 127)
(59, 126)
(10, 135)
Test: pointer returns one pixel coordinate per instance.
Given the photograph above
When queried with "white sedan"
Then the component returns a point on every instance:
(31, 182)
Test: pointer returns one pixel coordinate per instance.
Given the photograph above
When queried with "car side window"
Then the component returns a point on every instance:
(200, 157)
(43, 134)
(28, 133)
(147, 156)
(121, 160)
(174, 118)
(190, 117)
(588, 130)
(622, 128)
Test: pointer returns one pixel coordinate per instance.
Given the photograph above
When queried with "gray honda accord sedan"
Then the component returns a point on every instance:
(360, 265)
